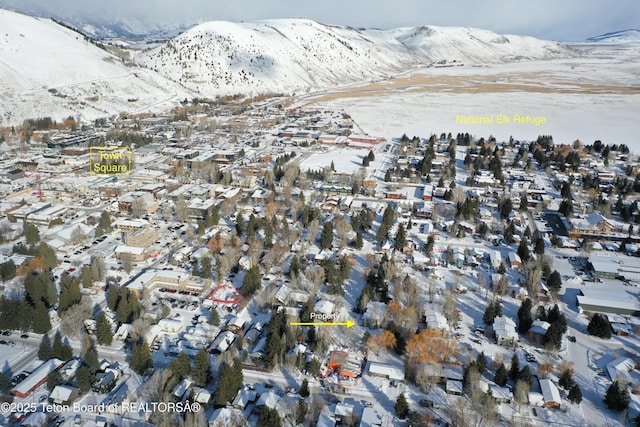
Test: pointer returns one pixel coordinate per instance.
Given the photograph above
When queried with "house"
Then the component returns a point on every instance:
(537, 331)
(427, 192)
(225, 417)
(435, 319)
(385, 370)
(343, 411)
(36, 378)
(64, 394)
(453, 387)
(105, 382)
(550, 394)
(374, 315)
(370, 418)
(244, 397)
(504, 329)
(622, 369)
(269, 399)
(514, 260)
(182, 390)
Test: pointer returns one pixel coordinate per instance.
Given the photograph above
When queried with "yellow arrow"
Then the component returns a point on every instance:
(349, 323)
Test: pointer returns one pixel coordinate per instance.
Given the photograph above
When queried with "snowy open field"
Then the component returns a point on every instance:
(589, 98)
(345, 159)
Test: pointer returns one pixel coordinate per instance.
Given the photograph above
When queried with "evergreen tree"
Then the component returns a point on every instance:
(304, 388)
(575, 394)
(83, 377)
(387, 176)
(401, 236)
(387, 217)
(555, 281)
(359, 242)
(90, 357)
(251, 282)
(69, 292)
(525, 319)
(523, 250)
(140, 360)
(428, 247)
(514, 370)
(113, 296)
(301, 411)
(104, 333)
(371, 156)
(31, 234)
(269, 418)
(240, 225)
(566, 380)
(275, 345)
(539, 246)
(201, 369)
(60, 350)
(326, 238)
(402, 407)
(205, 267)
(5, 382)
(7, 270)
(617, 397)
(181, 365)
(526, 375)
(44, 351)
(214, 317)
(492, 311)
(53, 379)
(599, 326)
(501, 376)
(105, 221)
(41, 323)
(228, 385)
(383, 234)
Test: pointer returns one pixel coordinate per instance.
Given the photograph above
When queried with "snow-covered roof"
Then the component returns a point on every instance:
(550, 391)
(504, 327)
(62, 393)
(621, 369)
(386, 370)
(269, 399)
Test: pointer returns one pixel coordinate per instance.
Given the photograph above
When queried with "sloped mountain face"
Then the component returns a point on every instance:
(617, 37)
(281, 56)
(95, 24)
(49, 70)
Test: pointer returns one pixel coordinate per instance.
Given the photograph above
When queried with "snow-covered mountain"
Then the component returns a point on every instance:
(96, 25)
(49, 70)
(617, 37)
(291, 55)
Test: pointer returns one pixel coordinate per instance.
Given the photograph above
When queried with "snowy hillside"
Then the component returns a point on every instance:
(97, 25)
(49, 70)
(288, 55)
(617, 37)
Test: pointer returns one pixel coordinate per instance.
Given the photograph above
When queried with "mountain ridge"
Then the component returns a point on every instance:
(75, 76)
(285, 55)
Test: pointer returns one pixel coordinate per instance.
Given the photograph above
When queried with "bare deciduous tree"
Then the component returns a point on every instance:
(72, 320)
(313, 228)
(138, 207)
(343, 228)
(182, 210)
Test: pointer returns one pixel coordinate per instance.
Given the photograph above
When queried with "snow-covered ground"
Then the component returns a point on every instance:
(588, 98)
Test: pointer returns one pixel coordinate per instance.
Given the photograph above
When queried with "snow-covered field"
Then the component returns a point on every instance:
(588, 98)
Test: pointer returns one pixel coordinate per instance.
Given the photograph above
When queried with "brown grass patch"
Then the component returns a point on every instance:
(534, 82)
